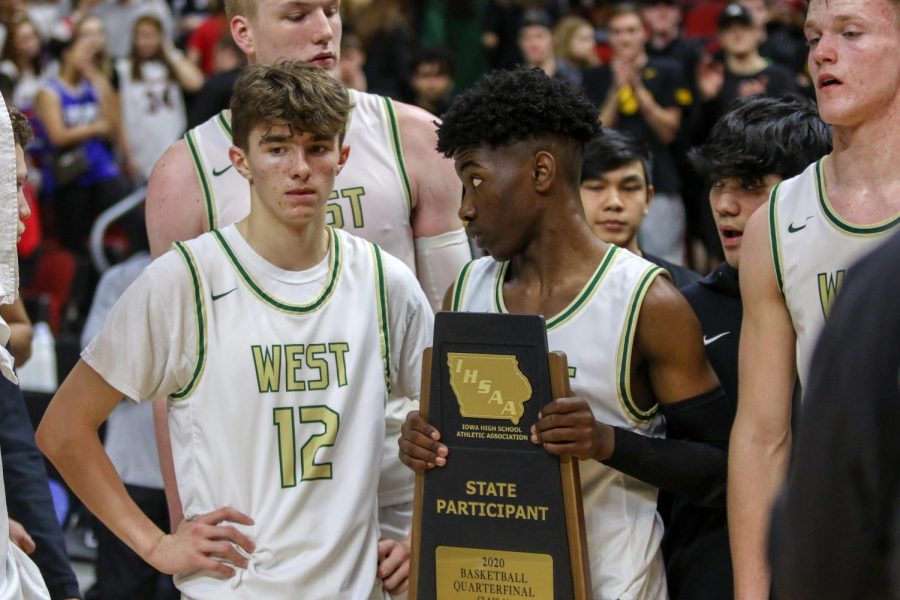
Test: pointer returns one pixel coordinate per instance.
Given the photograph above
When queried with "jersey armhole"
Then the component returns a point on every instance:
(209, 205)
(397, 147)
(626, 344)
(773, 237)
(200, 308)
(459, 287)
(381, 308)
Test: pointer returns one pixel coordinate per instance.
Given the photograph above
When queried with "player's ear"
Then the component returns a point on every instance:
(239, 160)
(543, 171)
(651, 191)
(242, 34)
(345, 154)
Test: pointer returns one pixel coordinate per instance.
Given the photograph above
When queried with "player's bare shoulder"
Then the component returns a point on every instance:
(435, 186)
(174, 200)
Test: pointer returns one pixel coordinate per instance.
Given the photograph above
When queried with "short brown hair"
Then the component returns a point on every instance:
(22, 132)
(245, 8)
(304, 97)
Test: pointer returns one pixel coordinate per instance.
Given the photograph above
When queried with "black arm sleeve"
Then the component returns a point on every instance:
(691, 461)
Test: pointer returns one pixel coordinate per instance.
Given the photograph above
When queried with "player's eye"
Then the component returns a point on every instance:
(476, 181)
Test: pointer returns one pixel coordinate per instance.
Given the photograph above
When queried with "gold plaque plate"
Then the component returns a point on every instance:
(473, 574)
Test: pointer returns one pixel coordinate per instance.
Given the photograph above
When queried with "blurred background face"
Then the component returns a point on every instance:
(148, 39)
(627, 35)
(92, 34)
(739, 39)
(582, 45)
(26, 42)
(430, 84)
(733, 201)
(661, 17)
(536, 44)
(615, 203)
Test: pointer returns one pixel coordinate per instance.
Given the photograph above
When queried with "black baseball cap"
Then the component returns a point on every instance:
(537, 17)
(735, 13)
(655, 2)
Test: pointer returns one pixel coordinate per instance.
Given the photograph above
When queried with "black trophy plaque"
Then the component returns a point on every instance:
(503, 519)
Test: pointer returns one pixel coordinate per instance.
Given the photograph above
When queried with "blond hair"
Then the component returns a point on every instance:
(244, 8)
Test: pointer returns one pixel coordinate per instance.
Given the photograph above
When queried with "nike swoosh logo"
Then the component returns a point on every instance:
(217, 172)
(709, 340)
(220, 296)
(792, 229)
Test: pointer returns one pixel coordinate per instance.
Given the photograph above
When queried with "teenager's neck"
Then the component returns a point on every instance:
(291, 248)
(750, 63)
(863, 166)
(70, 75)
(563, 239)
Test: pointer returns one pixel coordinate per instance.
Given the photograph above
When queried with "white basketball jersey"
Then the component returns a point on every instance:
(812, 248)
(308, 386)
(372, 196)
(596, 331)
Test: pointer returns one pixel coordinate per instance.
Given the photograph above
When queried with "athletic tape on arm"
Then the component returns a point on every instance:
(438, 260)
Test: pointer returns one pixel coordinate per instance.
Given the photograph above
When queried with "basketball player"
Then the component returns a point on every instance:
(631, 338)
(798, 249)
(277, 343)
(396, 190)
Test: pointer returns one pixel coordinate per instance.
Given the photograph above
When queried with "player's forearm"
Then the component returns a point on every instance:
(691, 460)
(755, 472)
(76, 452)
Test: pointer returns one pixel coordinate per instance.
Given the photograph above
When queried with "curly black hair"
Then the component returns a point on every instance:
(512, 106)
(762, 135)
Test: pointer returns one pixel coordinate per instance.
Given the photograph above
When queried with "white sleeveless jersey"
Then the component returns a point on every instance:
(152, 110)
(813, 248)
(372, 196)
(308, 385)
(596, 331)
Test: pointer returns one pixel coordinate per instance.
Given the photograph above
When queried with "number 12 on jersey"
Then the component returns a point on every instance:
(285, 424)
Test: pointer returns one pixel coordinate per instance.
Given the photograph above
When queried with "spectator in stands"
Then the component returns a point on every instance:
(215, 95)
(502, 22)
(781, 43)
(536, 46)
(663, 21)
(432, 80)
(645, 96)
(201, 45)
(353, 62)
(574, 46)
(119, 17)
(742, 70)
(152, 81)
(616, 192)
(80, 121)
(384, 30)
(24, 62)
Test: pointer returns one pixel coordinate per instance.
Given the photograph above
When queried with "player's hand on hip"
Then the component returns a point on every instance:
(393, 565)
(420, 449)
(567, 426)
(203, 544)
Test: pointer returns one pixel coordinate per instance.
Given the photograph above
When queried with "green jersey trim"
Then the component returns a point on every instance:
(626, 344)
(459, 286)
(208, 203)
(381, 299)
(201, 322)
(575, 306)
(398, 151)
(224, 120)
(300, 309)
(773, 237)
(843, 225)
